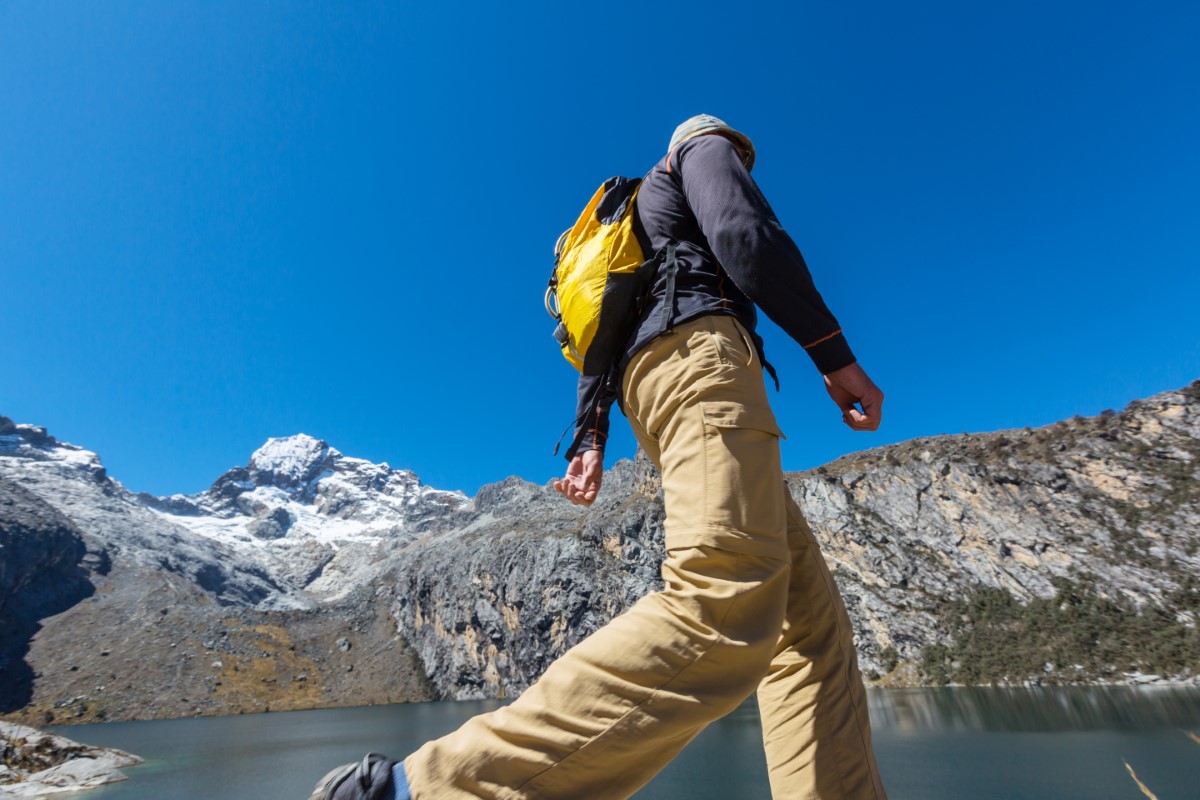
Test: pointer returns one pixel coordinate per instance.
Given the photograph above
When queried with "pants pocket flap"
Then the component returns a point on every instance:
(725, 414)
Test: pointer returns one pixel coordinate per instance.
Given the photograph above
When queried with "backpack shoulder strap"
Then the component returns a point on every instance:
(671, 266)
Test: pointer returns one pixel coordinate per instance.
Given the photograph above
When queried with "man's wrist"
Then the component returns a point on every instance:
(831, 354)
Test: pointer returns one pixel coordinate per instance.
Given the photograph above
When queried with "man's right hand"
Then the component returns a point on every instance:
(849, 386)
(582, 481)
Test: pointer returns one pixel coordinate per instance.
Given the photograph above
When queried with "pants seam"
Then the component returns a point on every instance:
(847, 677)
(704, 448)
(654, 693)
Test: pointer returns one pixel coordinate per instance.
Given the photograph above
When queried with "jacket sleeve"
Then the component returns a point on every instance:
(592, 407)
(754, 250)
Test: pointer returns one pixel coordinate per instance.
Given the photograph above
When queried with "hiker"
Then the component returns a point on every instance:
(748, 605)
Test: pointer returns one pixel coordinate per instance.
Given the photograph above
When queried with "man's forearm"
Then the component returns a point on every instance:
(591, 415)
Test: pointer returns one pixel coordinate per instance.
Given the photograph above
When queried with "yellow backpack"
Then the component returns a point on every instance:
(600, 278)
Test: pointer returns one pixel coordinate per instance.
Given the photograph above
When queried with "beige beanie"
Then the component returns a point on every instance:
(702, 124)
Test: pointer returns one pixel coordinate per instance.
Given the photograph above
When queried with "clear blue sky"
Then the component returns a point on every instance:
(226, 221)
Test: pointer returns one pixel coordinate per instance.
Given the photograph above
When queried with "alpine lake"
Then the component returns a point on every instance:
(931, 744)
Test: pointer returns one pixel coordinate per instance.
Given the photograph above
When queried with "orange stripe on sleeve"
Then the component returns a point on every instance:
(822, 339)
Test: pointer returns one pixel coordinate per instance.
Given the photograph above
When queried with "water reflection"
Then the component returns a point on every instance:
(932, 744)
(1035, 709)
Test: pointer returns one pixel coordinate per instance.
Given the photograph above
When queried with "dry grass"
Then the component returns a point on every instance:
(290, 680)
(1141, 785)
(1145, 789)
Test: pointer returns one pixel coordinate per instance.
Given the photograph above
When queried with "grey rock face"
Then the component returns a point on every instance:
(39, 550)
(489, 604)
(272, 524)
(1110, 501)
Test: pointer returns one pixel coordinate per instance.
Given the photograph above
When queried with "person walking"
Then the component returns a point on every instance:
(748, 604)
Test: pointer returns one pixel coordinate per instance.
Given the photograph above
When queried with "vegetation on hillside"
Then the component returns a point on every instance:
(1078, 636)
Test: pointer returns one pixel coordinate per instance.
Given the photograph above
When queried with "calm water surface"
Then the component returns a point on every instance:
(932, 744)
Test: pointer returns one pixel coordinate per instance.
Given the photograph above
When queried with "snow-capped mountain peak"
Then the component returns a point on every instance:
(300, 501)
(291, 461)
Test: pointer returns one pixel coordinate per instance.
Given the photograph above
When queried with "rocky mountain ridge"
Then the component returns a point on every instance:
(297, 502)
(309, 578)
(178, 621)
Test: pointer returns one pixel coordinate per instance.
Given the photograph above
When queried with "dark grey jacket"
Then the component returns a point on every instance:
(732, 255)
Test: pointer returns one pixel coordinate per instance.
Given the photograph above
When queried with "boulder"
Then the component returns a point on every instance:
(40, 764)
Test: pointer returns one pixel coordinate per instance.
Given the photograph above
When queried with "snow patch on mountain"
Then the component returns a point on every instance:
(277, 516)
(33, 443)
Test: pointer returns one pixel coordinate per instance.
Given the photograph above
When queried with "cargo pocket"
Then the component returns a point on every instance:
(743, 479)
(727, 414)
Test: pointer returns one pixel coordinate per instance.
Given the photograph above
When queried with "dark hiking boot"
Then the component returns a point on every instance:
(369, 779)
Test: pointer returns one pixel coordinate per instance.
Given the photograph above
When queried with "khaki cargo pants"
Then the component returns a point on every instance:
(748, 605)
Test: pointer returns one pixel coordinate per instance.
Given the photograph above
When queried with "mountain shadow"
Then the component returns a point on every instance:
(40, 576)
